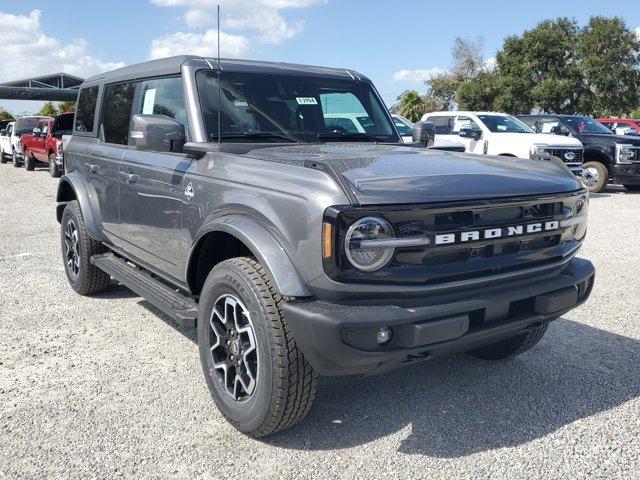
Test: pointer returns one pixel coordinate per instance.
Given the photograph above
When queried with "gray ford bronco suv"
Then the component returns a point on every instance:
(230, 196)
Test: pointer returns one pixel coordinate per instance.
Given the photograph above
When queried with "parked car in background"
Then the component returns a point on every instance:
(622, 126)
(23, 125)
(500, 134)
(608, 157)
(405, 128)
(5, 141)
(44, 144)
(4, 124)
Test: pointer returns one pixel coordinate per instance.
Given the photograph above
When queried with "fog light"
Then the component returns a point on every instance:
(384, 335)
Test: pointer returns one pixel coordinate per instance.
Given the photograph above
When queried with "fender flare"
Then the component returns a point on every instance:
(600, 152)
(82, 192)
(264, 246)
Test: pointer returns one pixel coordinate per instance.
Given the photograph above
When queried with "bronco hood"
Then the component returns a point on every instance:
(390, 174)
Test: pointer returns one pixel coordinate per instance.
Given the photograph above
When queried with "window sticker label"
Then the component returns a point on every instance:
(149, 101)
(240, 103)
(306, 101)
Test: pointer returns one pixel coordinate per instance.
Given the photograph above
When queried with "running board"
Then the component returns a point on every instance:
(179, 307)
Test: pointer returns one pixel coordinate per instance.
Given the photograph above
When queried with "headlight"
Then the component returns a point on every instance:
(364, 244)
(537, 149)
(581, 212)
(624, 153)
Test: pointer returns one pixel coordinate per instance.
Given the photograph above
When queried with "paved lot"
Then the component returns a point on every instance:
(107, 386)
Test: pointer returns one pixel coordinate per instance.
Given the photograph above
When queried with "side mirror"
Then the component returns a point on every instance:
(157, 132)
(36, 132)
(3, 132)
(424, 133)
(469, 132)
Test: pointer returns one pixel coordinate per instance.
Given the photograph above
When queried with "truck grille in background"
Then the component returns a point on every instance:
(561, 152)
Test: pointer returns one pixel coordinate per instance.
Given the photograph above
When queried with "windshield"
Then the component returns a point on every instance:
(291, 108)
(26, 125)
(504, 124)
(587, 125)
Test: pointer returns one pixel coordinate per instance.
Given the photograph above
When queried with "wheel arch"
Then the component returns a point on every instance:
(230, 237)
(73, 187)
(593, 155)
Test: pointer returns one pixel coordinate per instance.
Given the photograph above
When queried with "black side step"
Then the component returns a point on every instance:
(179, 307)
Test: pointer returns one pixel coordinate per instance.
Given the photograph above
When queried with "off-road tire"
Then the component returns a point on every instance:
(54, 171)
(286, 384)
(3, 157)
(511, 346)
(29, 161)
(90, 279)
(603, 174)
(632, 188)
(15, 160)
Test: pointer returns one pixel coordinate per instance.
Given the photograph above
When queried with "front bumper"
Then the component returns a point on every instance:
(340, 339)
(627, 174)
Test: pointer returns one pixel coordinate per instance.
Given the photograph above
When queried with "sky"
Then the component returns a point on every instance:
(396, 44)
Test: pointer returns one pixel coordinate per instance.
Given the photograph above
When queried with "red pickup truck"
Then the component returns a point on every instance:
(44, 144)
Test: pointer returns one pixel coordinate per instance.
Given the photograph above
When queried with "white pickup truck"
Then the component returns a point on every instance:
(492, 133)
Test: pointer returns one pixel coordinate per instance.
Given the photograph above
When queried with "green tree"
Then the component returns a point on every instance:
(66, 106)
(608, 61)
(48, 110)
(479, 92)
(4, 115)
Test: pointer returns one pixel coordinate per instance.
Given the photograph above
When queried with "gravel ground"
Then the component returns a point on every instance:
(107, 386)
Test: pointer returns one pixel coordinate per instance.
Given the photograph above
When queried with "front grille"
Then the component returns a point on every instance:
(561, 153)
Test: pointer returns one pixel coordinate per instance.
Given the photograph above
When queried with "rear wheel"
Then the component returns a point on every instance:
(77, 249)
(54, 170)
(257, 376)
(595, 177)
(15, 159)
(3, 156)
(511, 346)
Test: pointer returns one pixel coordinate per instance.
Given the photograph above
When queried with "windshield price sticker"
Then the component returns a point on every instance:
(306, 101)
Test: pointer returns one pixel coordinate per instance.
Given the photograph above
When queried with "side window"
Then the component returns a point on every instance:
(44, 128)
(117, 105)
(86, 110)
(462, 121)
(442, 124)
(164, 96)
(9, 130)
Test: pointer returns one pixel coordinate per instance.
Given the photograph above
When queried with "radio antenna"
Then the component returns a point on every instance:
(219, 87)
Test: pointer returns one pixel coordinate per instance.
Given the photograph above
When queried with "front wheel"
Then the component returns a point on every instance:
(511, 346)
(77, 249)
(595, 177)
(3, 156)
(54, 171)
(29, 161)
(257, 376)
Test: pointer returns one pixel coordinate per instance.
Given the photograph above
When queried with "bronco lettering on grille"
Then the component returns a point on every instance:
(498, 232)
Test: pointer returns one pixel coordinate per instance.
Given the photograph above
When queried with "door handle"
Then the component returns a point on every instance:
(93, 168)
(131, 177)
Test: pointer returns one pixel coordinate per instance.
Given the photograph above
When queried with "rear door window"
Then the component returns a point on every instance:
(117, 107)
(86, 109)
(442, 124)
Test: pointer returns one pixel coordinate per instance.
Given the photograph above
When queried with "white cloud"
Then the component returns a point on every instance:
(490, 64)
(205, 44)
(260, 16)
(637, 32)
(417, 76)
(28, 51)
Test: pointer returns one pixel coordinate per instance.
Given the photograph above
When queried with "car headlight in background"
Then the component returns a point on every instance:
(538, 149)
(624, 153)
(366, 244)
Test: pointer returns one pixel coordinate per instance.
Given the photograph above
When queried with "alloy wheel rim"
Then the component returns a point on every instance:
(72, 254)
(233, 348)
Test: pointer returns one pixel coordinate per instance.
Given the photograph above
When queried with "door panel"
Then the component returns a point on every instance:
(151, 195)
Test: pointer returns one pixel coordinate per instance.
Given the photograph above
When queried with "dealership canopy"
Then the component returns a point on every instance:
(56, 87)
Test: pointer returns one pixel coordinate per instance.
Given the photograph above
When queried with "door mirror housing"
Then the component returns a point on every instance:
(36, 132)
(3, 132)
(468, 131)
(157, 132)
(424, 133)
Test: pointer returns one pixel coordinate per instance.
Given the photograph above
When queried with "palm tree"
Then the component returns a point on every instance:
(410, 105)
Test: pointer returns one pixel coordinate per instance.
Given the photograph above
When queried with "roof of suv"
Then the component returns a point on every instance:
(172, 65)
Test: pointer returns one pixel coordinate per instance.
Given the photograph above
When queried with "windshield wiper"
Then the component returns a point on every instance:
(347, 136)
(258, 135)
